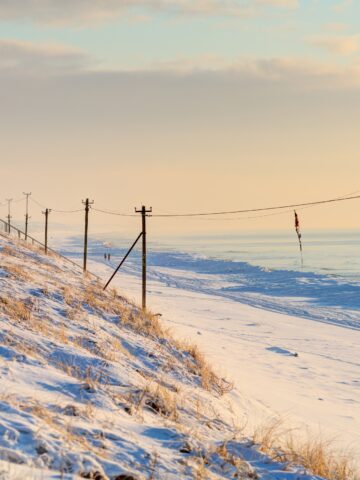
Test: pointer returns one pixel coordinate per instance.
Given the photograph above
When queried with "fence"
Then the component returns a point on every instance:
(10, 229)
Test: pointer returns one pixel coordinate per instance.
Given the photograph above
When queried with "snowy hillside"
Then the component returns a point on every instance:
(93, 388)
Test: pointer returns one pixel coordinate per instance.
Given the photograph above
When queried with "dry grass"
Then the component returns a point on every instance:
(39, 411)
(92, 378)
(319, 457)
(11, 252)
(59, 426)
(116, 348)
(198, 365)
(275, 440)
(129, 315)
(109, 349)
(154, 397)
(161, 400)
(144, 323)
(200, 471)
(243, 469)
(314, 454)
(20, 310)
(95, 298)
(68, 295)
(20, 345)
(62, 334)
(17, 272)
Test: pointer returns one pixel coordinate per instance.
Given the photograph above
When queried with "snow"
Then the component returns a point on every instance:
(304, 369)
(84, 393)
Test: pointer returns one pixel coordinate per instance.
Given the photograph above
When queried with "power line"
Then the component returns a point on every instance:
(39, 204)
(109, 212)
(208, 214)
(67, 211)
(18, 200)
(263, 209)
(32, 199)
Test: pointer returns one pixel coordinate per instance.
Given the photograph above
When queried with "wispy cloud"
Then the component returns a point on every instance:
(31, 58)
(291, 72)
(75, 11)
(339, 44)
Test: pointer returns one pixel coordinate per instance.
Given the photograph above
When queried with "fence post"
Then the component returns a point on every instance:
(9, 200)
(27, 214)
(46, 213)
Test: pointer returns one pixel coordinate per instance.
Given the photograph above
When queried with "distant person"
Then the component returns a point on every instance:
(104, 256)
(109, 257)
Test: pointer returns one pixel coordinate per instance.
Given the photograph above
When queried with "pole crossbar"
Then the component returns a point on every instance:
(123, 260)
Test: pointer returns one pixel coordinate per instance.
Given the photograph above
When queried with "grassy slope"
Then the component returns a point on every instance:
(91, 386)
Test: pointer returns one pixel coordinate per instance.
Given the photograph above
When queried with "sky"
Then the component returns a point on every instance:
(182, 105)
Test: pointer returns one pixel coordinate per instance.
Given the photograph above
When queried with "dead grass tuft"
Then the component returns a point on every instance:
(318, 457)
(96, 298)
(198, 365)
(314, 454)
(11, 252)
(243, 469)
(144, 323)
(17, 309)
(156, 398)
(17, 272)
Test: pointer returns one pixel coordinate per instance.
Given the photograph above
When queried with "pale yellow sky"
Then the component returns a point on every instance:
(212, 115)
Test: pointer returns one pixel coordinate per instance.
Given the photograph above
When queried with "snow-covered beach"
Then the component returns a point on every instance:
(289, 355)
(92, 387)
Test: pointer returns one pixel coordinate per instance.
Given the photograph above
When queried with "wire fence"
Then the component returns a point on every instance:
(14, 231)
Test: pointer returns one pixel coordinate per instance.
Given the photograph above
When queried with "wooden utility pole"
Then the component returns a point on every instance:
(46, 213)
(87, 204)
(143, 212)
(9, 200)
(27, 214)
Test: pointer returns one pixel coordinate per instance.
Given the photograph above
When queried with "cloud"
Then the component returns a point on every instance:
(286, 72)
(32, 58)
(20, 58)
(344, 44)
(83, 11)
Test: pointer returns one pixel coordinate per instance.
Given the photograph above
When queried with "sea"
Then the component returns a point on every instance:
(262, 269)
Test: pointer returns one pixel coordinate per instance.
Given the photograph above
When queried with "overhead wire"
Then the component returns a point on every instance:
(39, 204)
(18, 200)
(67, 211)
(274, 209)
(110, 212)
(262, 209)
(283, 212)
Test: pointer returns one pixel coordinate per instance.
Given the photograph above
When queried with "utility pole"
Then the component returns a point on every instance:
(27, 214)
(143, 212)
(87, 204)
(46, 213)
(9, 200)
